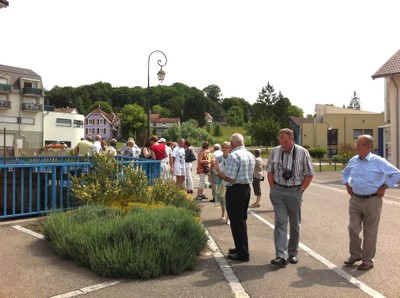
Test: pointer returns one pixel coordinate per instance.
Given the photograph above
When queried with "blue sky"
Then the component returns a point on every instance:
(312, 51)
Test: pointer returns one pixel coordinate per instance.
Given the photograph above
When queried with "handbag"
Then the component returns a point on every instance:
(206, 169)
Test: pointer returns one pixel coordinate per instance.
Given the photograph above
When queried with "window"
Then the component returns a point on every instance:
(30, 84)
(90, 121)
(332, 137)
(369, 132)
(101, 131)
(90, 131)
(5, 119)
(63, 122)
(30, 121)
(78, 123)
(101, 121)
(359, 131)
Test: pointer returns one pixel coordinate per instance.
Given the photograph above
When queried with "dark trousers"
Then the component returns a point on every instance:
(237, 202)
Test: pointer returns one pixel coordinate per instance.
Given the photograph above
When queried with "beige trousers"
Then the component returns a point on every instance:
(364, 215)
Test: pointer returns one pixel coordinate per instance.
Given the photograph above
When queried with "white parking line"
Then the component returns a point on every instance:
(74, 293)
(366, 289)
(230, 276)
(384, 200)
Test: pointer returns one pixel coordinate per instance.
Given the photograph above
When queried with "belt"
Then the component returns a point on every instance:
(238, 184)
(365, 196)
(287, 186)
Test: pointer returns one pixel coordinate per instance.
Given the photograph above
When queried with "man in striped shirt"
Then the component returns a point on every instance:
(290, 171)
(237, 176)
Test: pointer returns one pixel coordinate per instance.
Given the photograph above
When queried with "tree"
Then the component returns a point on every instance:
(295, 111)
(264, 131)
(218, 130)
(213, 92)
(235, 116)
(103, 105)
(354, 102)
(133, 121)
(158, 109)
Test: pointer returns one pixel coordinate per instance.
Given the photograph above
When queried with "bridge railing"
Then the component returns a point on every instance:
(36, 188)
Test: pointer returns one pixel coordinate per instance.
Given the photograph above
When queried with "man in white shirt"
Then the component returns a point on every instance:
(97, 144)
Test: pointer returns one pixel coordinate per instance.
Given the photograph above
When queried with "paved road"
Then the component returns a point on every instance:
(29, 268)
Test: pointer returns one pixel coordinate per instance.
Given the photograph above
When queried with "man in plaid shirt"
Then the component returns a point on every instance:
(237, 176)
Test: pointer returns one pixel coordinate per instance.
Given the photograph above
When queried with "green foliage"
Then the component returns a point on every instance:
(235, 116)
(218, 130)
(167, 193)
(115, 185)
(317, 152)
(264, 131)
(103, 105)
(133, 121)
(158, 109)
(143, 243)
(295, 111)
(110, 182)
(346, 151)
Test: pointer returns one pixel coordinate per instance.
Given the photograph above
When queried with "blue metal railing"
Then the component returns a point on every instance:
(33, 187)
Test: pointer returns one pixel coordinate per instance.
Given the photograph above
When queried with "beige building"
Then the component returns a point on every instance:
(21, 108)
(335, 126)
(390, 71)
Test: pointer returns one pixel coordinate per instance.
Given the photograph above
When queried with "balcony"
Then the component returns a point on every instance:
(5, 104)
(5, 88)
(32, 91)
(32, 107)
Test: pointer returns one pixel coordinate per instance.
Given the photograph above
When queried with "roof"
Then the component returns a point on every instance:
(207, 116)
(300, 120)
(66, 110)
(155, 118)
(391, 67)
(3, 3)
(14, 73)
(109, 117)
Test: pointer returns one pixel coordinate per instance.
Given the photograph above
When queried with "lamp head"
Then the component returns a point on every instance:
(161, 75)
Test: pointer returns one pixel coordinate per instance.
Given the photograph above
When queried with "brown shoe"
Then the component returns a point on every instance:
(364, 266)
(351, 261)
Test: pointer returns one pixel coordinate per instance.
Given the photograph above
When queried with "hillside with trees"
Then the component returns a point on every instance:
(262, 119)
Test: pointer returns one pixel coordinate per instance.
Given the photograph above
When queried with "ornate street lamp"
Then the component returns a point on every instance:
(161, 77)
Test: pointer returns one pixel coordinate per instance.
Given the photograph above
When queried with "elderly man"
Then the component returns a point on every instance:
(84, 147)
(238, 175)
(289, 172)
(366, 176)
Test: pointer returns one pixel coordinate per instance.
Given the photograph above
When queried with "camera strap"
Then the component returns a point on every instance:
(293, 158)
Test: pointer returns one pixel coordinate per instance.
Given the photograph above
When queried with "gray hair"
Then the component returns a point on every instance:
(369, 140)
(286, 131)
(237, 139)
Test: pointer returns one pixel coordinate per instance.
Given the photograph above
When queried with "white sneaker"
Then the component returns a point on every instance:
(228, 222)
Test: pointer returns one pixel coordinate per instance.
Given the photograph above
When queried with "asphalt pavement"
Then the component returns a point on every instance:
(30, 267)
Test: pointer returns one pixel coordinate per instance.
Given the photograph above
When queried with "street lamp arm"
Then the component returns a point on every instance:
(161, 75)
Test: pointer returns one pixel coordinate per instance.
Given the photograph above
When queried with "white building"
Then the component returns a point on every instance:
(64, 125)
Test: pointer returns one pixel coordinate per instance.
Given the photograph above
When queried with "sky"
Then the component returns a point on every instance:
(313, 51)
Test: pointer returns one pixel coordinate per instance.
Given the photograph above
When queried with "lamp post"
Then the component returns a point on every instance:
(161, 76)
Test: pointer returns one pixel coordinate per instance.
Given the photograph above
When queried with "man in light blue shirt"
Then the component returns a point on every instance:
(366, 177)
(238, 175)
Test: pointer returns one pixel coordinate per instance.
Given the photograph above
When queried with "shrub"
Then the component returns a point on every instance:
(143, 243)
(167, 193)
(110, 182)
(317, 152)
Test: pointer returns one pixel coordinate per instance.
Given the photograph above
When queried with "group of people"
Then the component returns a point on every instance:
(289, 173)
